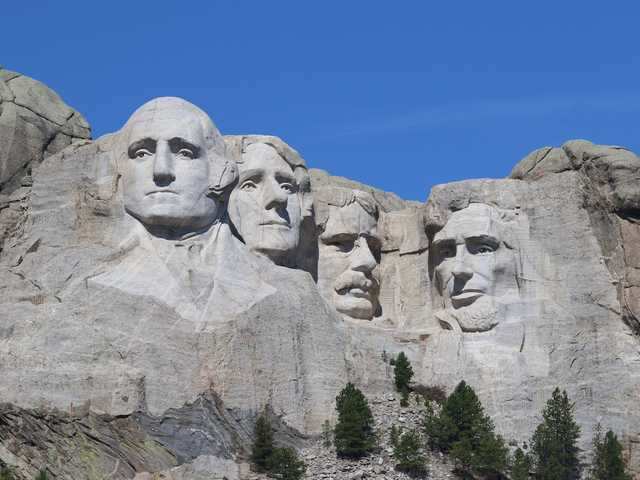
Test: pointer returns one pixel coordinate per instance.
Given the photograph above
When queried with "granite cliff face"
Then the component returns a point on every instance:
(162, 285)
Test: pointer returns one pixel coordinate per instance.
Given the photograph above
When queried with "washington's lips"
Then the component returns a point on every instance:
(173, 192)
(275, 223)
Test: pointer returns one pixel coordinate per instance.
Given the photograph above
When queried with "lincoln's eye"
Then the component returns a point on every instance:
(185, 152)
(482, 249)
(447, 251)
(344, 246)
(248, 186)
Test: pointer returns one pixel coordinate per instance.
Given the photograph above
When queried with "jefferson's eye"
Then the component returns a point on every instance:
(142, 152)
(248, 186)
(185, 152)
(287, 187)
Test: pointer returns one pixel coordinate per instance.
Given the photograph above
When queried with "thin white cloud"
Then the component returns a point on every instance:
(473, 112)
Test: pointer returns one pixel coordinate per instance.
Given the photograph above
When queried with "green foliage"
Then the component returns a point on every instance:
(42, 475)
(554, 442)
(277, 462)
(327, 434)
(394, 435)
(408, 454)
(607, 462)
(263, 443)
(285, 465)
(354, 435)
(431, 393)
(402, 373)
(464, 431)
(404, 399)
(6, 472)
(521, 465)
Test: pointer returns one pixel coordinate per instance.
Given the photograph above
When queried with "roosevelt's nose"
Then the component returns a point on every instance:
(273, 196)
(362, 259)
(163, 168)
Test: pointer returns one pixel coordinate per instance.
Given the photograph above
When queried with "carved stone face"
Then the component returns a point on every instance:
(473, 264)
(166, 170)
(265, 205)
(348, 254)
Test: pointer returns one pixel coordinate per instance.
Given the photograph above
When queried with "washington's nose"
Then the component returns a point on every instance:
(273, 195)
(363, 259)
(163, 169)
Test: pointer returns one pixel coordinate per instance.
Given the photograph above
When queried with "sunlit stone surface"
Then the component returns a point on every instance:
(163, 284)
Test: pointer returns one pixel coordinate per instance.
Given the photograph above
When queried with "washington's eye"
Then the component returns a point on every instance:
(142, 152)
(485, 249)
(248, 186)
(185, 152)
(287, 187)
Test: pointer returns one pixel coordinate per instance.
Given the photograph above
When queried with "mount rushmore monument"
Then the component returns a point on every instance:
(161, 285)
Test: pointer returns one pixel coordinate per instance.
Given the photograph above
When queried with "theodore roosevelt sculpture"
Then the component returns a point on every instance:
(348, 251)
(475, 266)
(271, 199)
(173, 168)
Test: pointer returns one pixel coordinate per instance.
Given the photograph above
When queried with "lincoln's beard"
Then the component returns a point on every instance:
(480, 316)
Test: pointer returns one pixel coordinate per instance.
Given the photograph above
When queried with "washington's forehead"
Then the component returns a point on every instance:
(161, 127)
(261, 156)
(350, 219)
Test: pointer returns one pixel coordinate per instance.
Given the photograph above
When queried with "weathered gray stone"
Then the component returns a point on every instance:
(34, 123)
(161, 324)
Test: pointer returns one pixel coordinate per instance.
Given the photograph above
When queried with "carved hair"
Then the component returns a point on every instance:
(239, 145)
(341, 197)
(223, 173)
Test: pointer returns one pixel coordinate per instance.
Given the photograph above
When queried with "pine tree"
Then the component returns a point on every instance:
(6, 472)
(394, 435)
(263, 443)
(284, 464)
(408, 455)
(402, 373)
(327, 433)
(42, 475)
(463, 430)
(607, 463)
(554, 442)
(521, 465)
(354, 435)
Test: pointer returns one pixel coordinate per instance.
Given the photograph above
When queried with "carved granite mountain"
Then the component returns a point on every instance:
(166, 284)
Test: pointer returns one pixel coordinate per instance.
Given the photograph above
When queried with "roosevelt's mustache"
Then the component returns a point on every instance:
(354, 279)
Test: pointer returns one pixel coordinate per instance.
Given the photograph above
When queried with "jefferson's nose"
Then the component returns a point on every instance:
(362, 259)
(163, 169)
(273, 196)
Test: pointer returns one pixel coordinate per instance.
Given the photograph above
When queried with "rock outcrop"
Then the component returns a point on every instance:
(163, 285)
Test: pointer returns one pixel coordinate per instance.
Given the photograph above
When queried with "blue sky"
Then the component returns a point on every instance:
(400, 95)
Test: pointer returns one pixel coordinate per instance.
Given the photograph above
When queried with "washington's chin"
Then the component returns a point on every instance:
(171, 215)
(355, 304)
